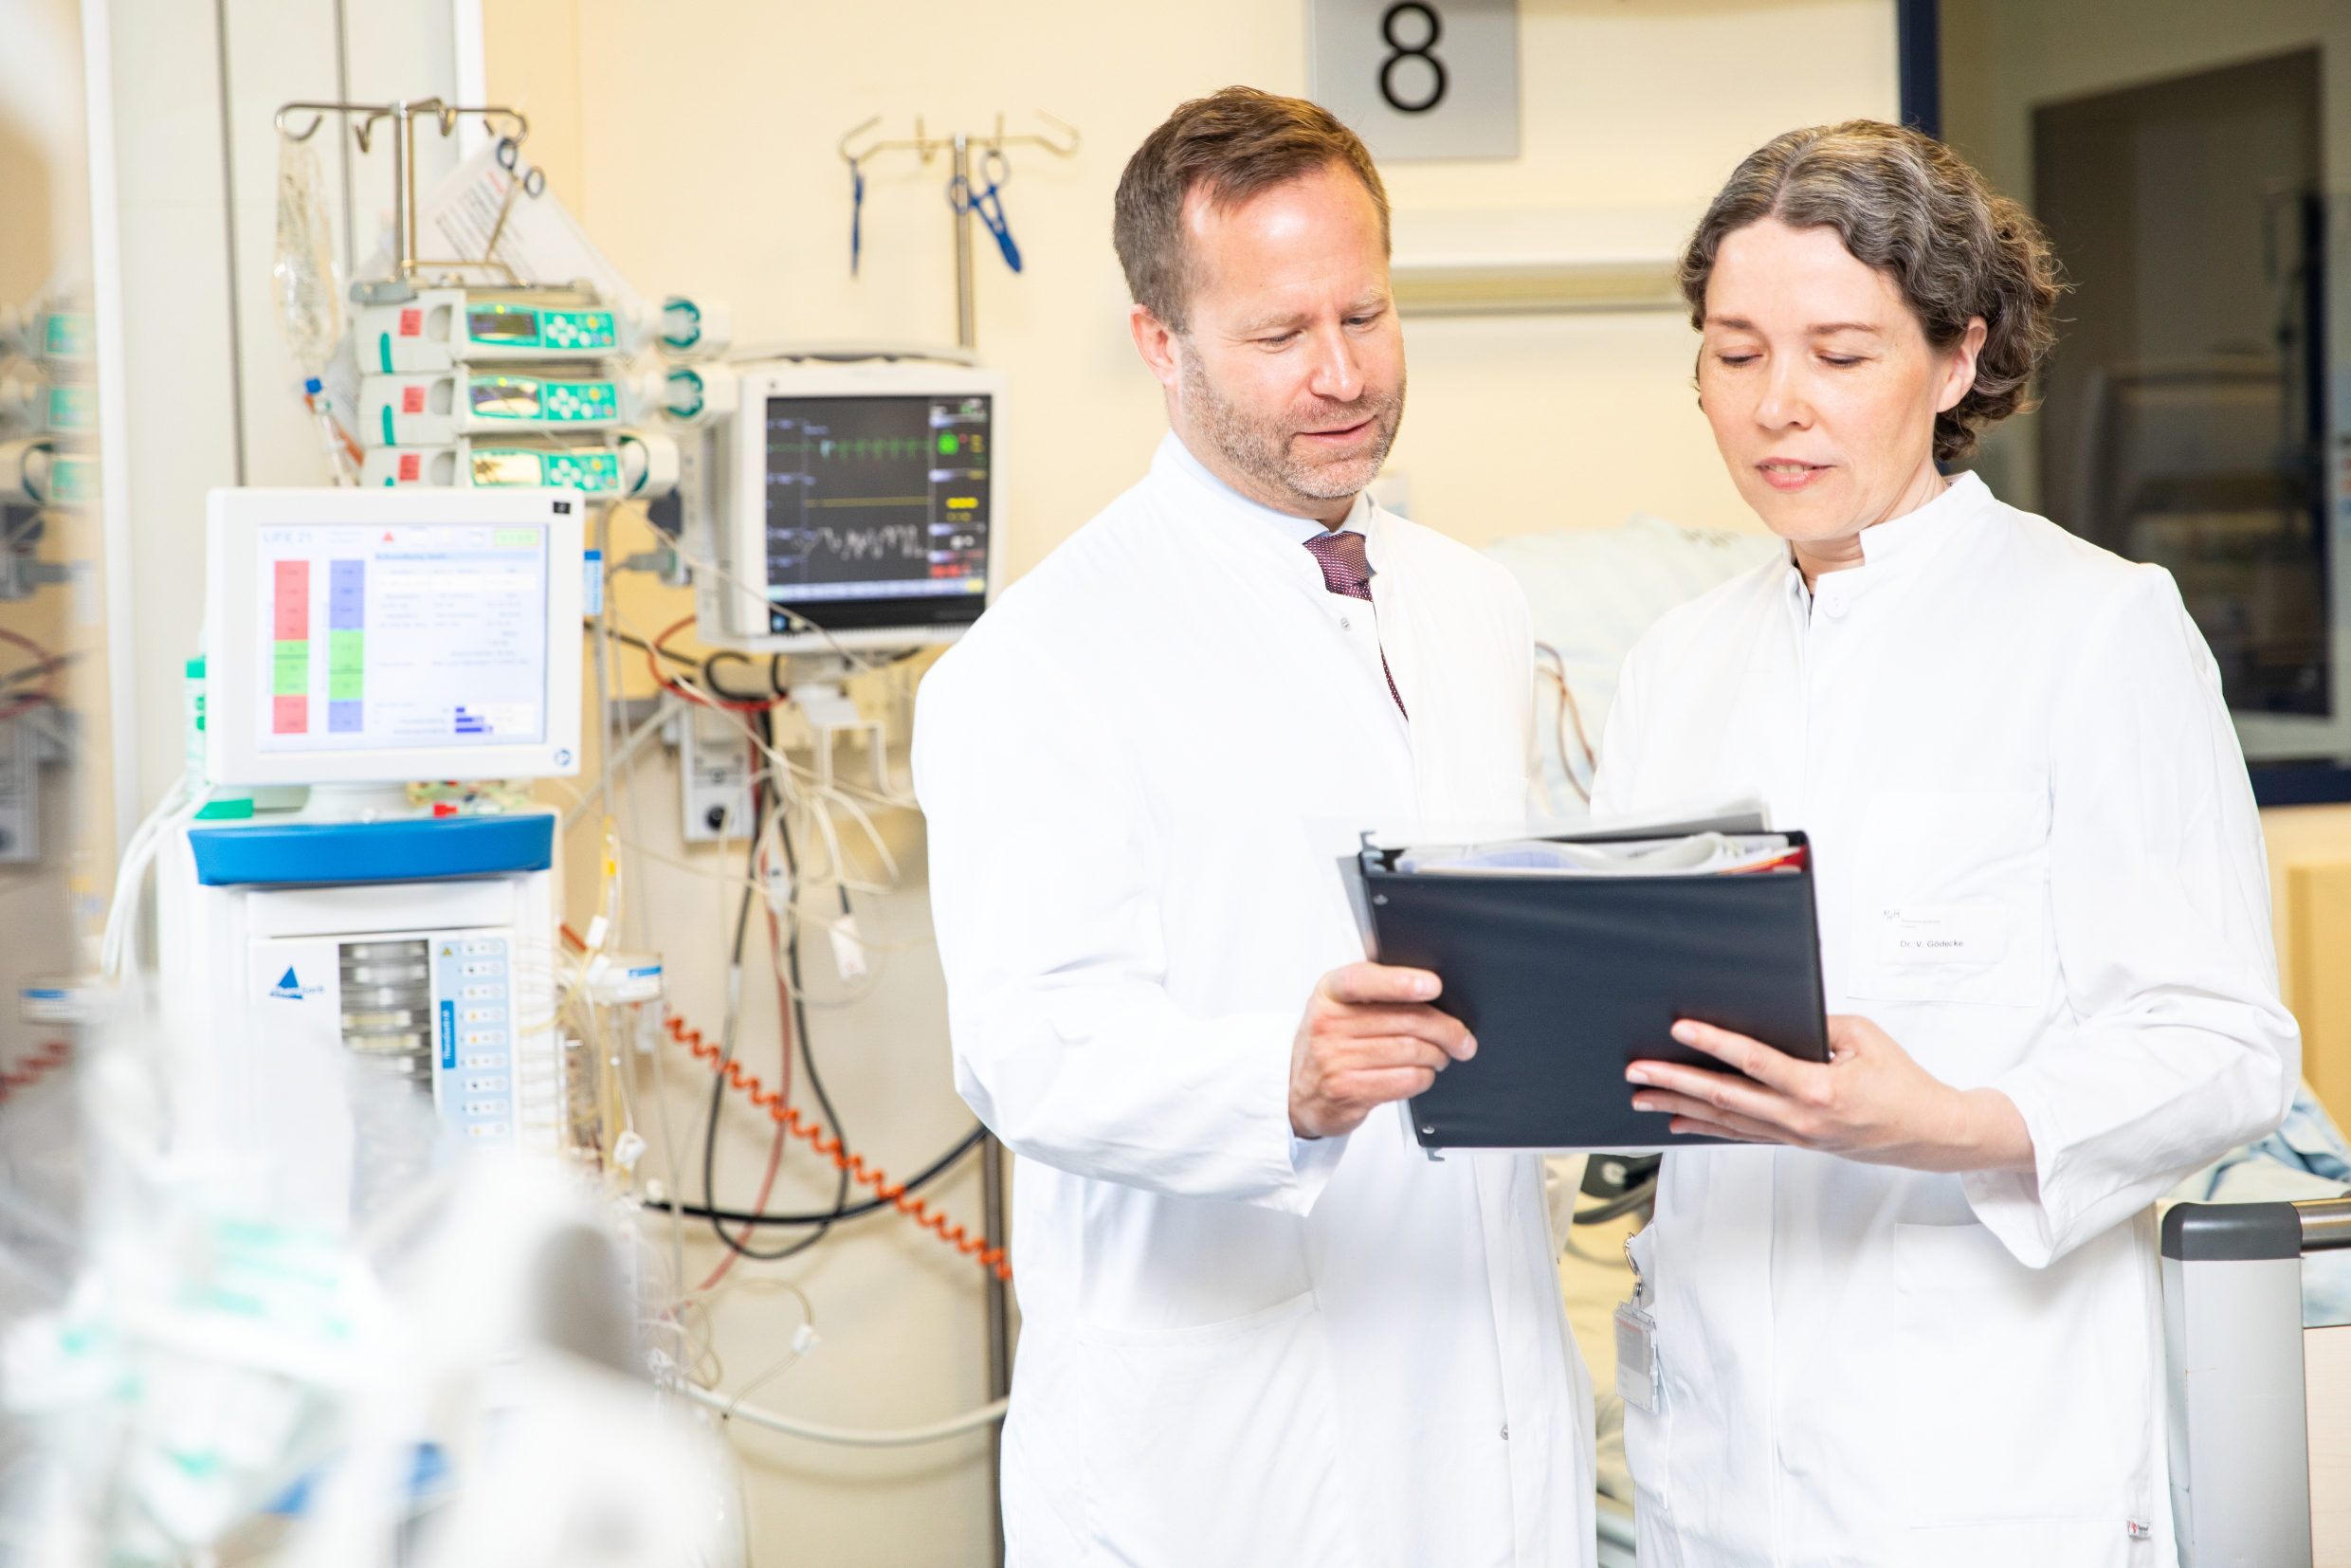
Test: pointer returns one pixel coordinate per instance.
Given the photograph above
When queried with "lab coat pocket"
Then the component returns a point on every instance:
(1214, 1444)
(2007, 1409)
(1948, 889)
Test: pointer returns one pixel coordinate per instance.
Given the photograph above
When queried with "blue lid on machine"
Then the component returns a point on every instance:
(406, 850)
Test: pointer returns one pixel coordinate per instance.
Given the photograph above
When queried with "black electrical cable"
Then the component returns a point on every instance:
(710, 680)
(37, 670)
(688, 660)
(718, 1082)
(921, 1179)
(1624, 1203)
(763, 721)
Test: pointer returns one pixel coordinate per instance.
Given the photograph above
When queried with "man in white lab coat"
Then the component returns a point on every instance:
(1260, 1325)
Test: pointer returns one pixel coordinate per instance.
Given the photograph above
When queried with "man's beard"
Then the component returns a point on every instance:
(1259, 447)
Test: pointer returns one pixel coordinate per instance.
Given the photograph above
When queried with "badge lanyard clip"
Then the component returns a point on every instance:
(1640, 1381)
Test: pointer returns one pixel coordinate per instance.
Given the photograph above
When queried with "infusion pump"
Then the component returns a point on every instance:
(356, 1031)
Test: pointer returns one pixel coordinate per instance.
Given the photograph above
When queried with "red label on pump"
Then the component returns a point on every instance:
(412, 323)
(412, 400)
(411, 468)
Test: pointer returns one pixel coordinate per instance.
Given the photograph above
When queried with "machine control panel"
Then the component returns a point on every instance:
(474, 1031)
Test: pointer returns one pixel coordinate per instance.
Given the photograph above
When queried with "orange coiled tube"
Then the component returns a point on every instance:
(33, 1066)
(832, 1149)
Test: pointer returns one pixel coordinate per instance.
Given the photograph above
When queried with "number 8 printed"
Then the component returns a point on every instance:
(1404, 51)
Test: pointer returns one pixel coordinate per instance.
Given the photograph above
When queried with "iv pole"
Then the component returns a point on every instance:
(404, 113)
(959, 147)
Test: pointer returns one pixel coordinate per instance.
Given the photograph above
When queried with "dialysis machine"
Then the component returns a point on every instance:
(362, 981)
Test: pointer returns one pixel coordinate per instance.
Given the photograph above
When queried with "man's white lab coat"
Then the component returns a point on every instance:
(1237, 1348)
(2039, 868)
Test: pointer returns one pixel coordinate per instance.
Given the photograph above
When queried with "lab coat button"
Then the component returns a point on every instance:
(1834, 604)
(1505, 1432)
(1345, 624)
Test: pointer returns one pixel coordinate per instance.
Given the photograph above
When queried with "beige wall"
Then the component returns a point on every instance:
(701, 154)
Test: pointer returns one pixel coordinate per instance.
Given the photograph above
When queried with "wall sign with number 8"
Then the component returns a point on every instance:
(1422, 19)
(1419, 79)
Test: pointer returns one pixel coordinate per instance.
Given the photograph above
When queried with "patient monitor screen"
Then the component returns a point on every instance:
(877, 509)
(392, 637)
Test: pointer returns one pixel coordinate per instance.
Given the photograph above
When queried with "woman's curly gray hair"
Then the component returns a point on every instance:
(1907, 204)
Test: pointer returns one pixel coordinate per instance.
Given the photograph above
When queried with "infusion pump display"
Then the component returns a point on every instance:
(400, 636)
(877, 509)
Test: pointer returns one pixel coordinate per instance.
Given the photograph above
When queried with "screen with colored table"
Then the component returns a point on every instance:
(403, 637)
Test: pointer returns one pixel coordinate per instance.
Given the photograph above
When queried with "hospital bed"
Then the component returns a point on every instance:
(2260, 1417)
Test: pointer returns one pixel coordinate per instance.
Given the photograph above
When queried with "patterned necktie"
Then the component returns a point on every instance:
(1346, 569)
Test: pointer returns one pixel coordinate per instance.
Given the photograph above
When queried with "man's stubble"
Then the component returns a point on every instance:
(1261, 447)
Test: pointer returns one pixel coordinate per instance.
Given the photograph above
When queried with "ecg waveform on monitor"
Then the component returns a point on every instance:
(885, 541)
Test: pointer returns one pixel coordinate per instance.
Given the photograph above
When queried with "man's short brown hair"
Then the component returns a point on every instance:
(1232, 144)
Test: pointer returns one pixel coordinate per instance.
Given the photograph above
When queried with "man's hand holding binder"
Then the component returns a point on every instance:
(1869, 1101)
(1368, 1037)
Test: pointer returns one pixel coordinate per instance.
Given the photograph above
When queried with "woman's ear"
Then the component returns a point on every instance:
(1959, 372)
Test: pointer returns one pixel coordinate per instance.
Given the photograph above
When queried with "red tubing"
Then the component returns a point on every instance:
(831, 1148)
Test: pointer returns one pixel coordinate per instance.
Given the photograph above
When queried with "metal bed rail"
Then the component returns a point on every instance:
(2238, 1425)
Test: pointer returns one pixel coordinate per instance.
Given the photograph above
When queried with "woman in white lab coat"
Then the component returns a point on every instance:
(1921, 1323)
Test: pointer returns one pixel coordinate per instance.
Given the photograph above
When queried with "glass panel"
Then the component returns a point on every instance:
(2185, 408)
(57, 828)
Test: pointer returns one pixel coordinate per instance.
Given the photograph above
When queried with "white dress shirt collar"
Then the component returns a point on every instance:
(1888, 549)
(1297, 530)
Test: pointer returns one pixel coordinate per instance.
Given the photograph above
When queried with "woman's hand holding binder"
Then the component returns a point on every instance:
(1869, 1101)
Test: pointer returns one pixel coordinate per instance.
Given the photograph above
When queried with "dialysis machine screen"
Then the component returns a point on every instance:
(395, 637)
(877, 509)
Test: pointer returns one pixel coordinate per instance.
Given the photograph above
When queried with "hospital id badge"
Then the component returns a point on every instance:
(1638, 1380)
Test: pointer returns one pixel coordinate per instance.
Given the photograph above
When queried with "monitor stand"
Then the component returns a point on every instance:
(831, 714)
(356, 803)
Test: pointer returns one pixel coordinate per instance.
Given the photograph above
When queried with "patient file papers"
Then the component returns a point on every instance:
(1692, 854)
(1571, 953)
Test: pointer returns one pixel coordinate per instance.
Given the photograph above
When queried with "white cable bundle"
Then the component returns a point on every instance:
(119, 952)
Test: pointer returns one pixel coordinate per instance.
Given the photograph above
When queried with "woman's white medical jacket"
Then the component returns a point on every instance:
(1997, 731)
(1140, 770)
